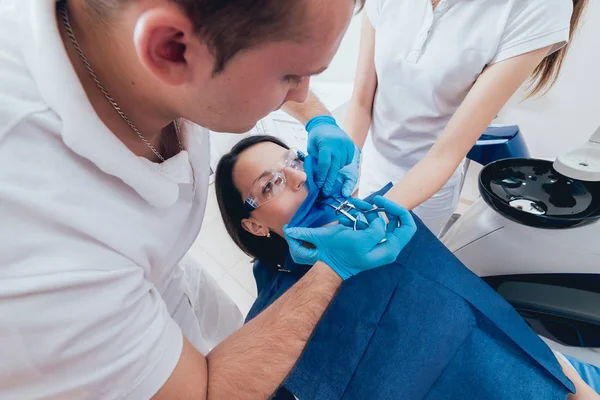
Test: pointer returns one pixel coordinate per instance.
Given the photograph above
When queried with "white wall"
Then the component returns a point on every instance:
(568, 115)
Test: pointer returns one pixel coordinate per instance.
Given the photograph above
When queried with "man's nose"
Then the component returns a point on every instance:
(299, 93)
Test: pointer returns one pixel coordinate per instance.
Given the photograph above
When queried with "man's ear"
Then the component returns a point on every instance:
(165, 42)
(254, 227)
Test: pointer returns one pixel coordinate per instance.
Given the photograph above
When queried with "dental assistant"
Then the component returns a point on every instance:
(432, 75)
(105, 107)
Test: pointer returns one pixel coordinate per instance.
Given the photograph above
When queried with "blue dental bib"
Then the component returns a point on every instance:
(314, 211)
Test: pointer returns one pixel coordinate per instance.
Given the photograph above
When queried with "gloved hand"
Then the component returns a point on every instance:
(349, 174)
(333, 149)
(347, 177)
(350, 252)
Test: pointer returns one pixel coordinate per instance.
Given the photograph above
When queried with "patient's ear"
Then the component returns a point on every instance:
(254, 227)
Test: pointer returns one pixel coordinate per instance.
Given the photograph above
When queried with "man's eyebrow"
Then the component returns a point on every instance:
(317, 72)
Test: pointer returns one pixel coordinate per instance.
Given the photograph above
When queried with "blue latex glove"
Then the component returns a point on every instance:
(347, 177)
(350, 252)
(349, 174)
(333, 149)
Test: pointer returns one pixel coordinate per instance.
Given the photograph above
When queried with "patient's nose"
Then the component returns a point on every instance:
(295, 178)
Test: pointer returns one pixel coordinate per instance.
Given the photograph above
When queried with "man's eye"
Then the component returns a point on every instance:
(294, 80)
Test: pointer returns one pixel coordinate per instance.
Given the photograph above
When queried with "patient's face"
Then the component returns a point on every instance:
(279, 211)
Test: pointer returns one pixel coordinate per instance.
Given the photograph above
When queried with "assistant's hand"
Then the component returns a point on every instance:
(350, 252)
(333, 149)
(401, 223)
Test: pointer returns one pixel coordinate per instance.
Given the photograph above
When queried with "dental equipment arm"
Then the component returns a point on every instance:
(491, 91)
(360, 109)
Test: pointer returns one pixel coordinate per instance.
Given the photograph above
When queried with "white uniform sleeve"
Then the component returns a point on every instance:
(534, 24)
(208, 315)
(85, 334)
(373, 9)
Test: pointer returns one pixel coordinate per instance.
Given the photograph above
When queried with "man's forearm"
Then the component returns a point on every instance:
(252, 363)
(303, 112)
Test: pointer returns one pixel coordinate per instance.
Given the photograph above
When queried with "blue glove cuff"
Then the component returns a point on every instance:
(342, 274)
(357, 153)
(320, 120)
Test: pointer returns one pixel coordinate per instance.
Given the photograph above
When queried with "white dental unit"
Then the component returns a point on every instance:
(534, 236)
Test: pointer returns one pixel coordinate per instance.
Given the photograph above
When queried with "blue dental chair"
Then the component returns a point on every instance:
(497, 143)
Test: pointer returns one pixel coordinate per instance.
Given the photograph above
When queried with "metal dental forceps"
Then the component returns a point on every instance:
(345, 207)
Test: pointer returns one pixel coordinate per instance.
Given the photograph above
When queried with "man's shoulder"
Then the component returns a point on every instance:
(18, 92)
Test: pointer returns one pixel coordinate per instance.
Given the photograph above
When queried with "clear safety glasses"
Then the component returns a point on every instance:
(272, 182)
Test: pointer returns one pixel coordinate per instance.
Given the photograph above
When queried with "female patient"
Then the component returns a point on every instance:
(423, 327)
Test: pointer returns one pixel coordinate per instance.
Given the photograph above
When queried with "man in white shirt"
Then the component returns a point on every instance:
(101, 194)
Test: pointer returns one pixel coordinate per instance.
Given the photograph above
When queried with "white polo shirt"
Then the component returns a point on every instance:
(94, 294)
(427, 61)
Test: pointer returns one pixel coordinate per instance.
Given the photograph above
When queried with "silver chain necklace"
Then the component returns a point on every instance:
(65, 17)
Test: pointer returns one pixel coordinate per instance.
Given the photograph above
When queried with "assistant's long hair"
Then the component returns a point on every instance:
(547, 72)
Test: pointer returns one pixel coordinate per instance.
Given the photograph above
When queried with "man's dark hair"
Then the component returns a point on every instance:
(230, 26)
